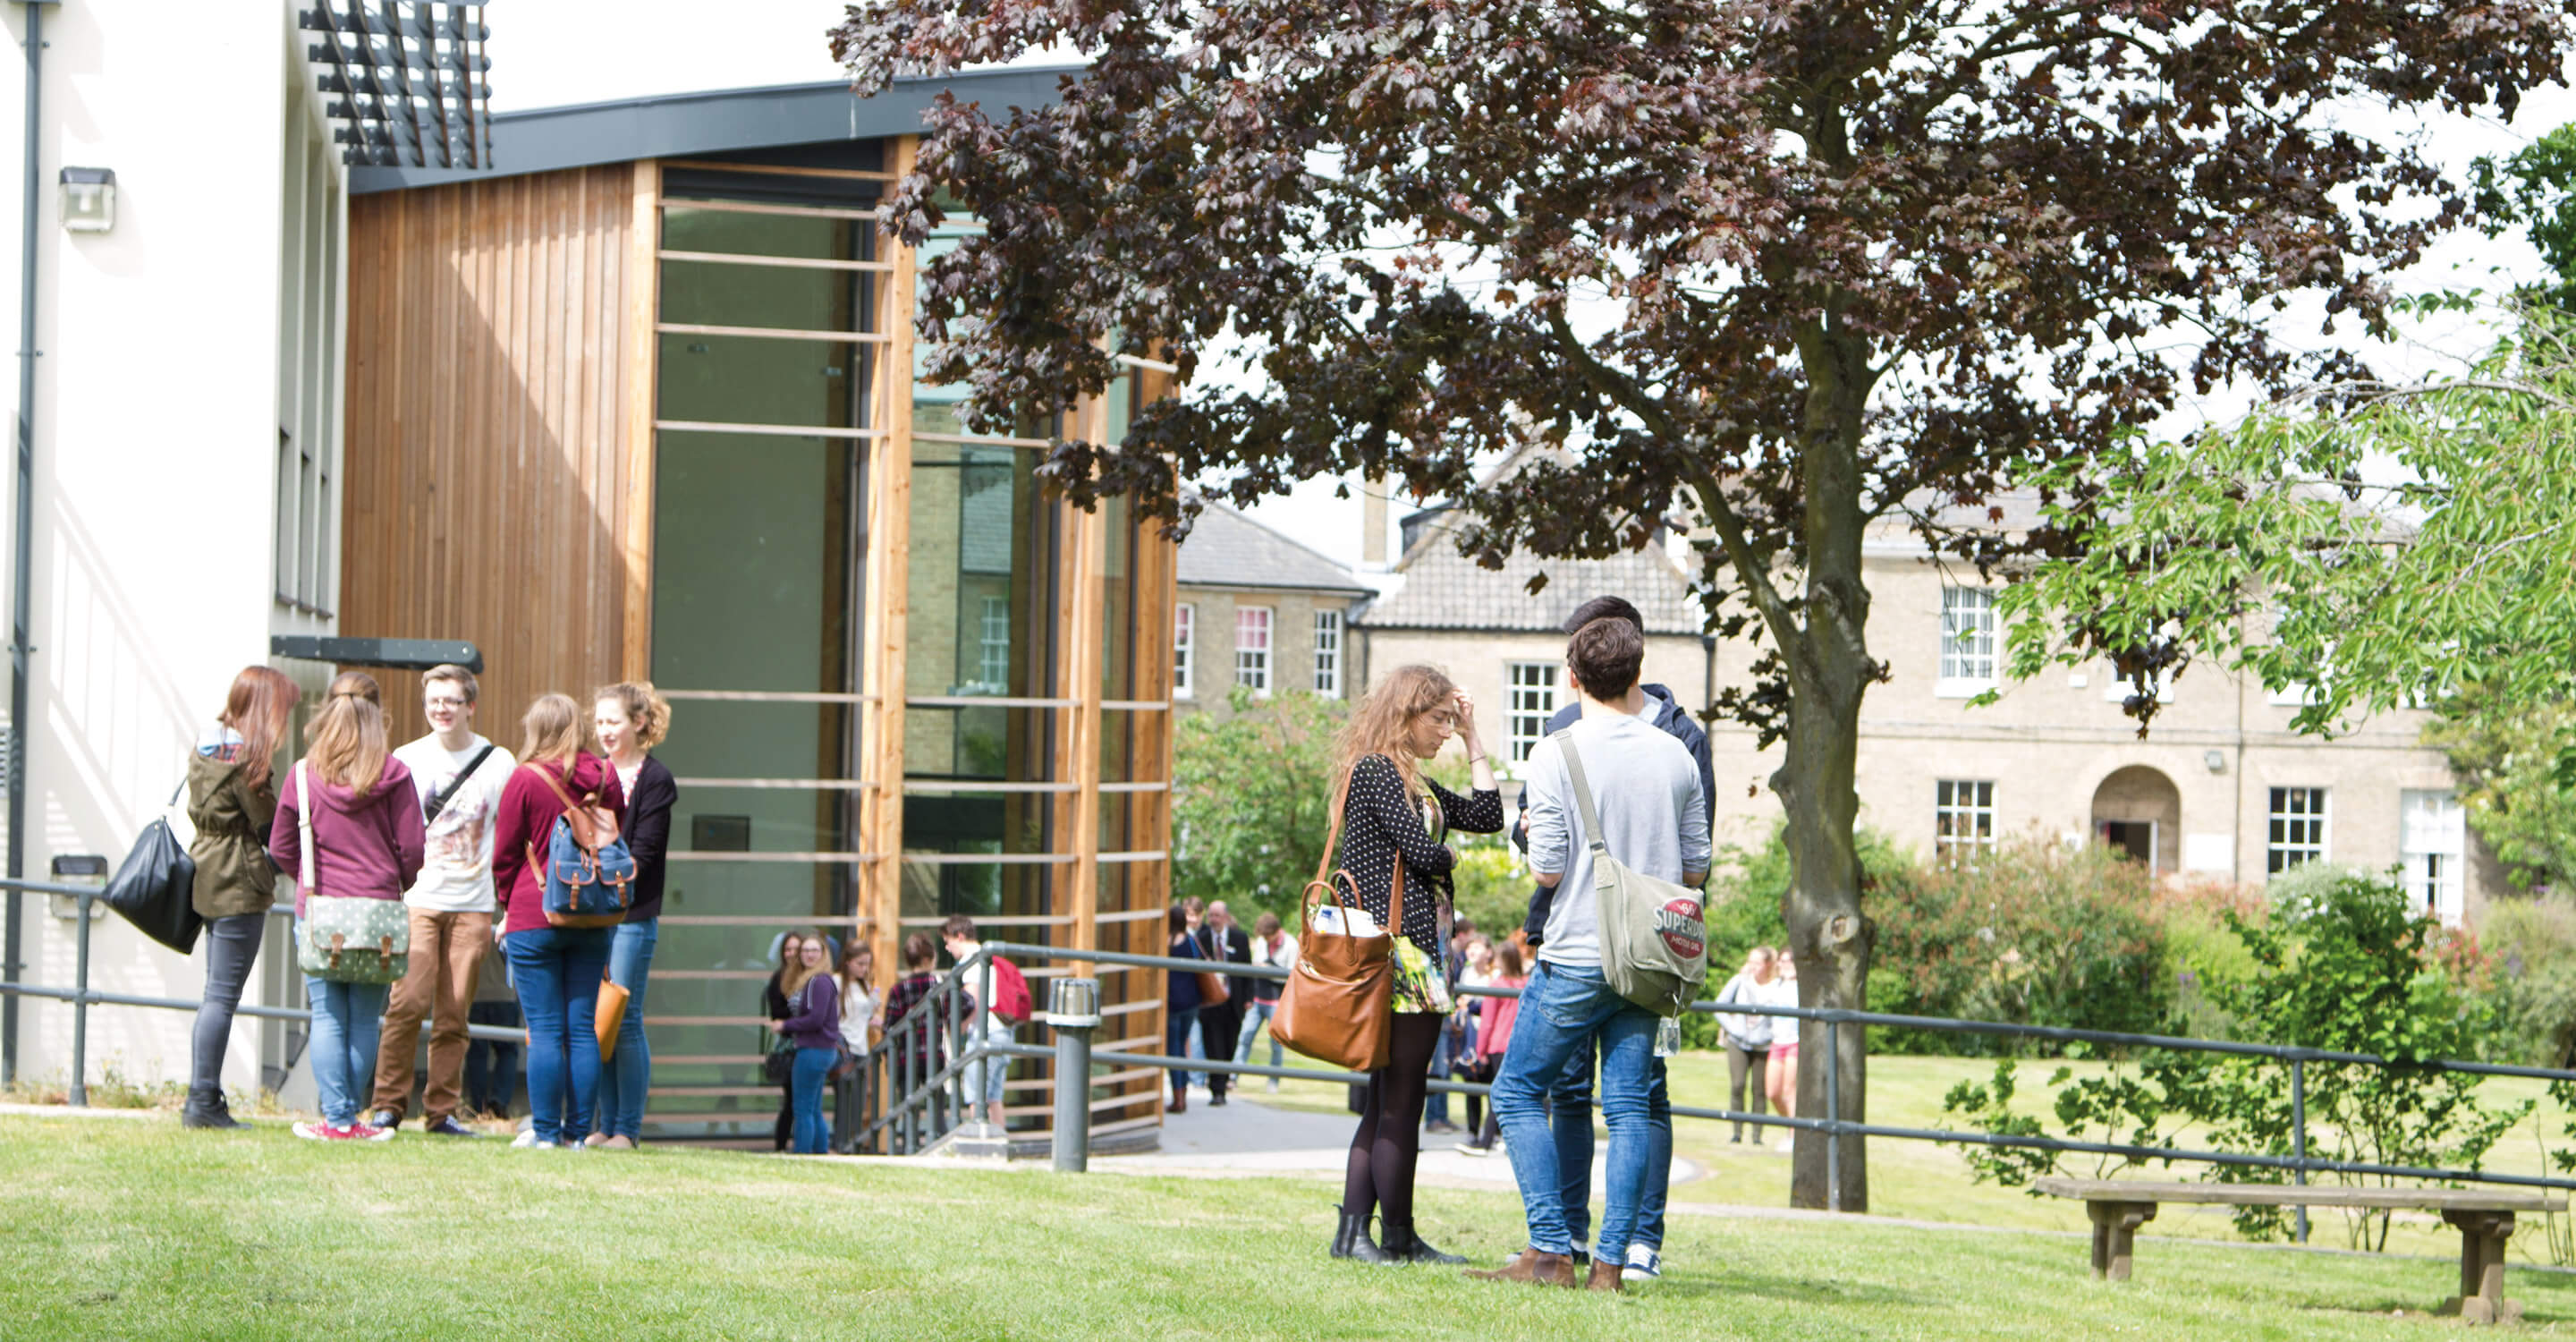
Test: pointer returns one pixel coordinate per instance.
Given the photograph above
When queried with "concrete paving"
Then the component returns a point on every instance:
(1248, 1137)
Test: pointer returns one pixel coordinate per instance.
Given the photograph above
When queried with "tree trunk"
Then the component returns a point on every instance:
(1827, 931)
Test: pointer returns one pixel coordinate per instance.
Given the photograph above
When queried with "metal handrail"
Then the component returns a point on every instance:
(1832, 1125)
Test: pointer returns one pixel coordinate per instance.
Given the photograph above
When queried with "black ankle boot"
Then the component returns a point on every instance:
(1403, 1246)
(1351, 1240)
(206, 1109)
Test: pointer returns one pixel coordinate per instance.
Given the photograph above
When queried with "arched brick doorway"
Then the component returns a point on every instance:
(2138, 811)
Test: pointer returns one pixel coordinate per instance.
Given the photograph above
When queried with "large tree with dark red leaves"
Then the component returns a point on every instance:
(1780, 268)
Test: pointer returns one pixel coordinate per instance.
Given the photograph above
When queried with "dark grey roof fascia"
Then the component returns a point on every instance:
(680, 125)
(1256, 585)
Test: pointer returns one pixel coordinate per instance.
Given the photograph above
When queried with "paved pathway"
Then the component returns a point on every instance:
(1250, 1137)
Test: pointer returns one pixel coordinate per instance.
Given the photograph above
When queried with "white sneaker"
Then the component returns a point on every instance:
(1786, 1145)
(311, 1132)
(1644, 1264)
(527, 1138)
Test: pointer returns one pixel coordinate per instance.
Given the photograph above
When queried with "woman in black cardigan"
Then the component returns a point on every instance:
(631, 719)
(1391, 814)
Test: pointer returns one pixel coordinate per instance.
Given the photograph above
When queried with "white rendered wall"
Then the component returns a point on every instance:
(157, 423)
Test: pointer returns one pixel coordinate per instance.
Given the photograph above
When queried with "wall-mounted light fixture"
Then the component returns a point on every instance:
(2215, 759)
(89, 200)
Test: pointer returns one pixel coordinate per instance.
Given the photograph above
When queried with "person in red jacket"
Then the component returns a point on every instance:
(555, 969)
(368, 843)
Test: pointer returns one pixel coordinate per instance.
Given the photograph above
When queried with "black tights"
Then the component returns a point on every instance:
(1390, 1135)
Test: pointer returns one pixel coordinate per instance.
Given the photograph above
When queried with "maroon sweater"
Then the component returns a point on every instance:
(366, 847)
(529, 809)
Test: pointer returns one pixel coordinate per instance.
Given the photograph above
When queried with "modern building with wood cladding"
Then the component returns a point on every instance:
(644, 403)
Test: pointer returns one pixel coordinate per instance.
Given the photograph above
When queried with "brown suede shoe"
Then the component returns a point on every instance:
(1538, 1269)
(1605, 1276)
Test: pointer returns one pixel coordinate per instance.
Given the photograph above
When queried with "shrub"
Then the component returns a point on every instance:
(2530, 945)
(2037, 933)
(2344, 964)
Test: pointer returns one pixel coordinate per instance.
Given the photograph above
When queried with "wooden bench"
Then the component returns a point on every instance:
(2484, 1218)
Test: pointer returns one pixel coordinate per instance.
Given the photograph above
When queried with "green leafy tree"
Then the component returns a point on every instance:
(1778, 269)
(1251, 796)
(2506, 757)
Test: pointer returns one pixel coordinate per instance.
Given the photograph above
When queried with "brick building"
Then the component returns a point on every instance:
(1258, 609)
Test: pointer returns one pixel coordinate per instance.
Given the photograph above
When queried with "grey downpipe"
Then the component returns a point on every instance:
(21, 600)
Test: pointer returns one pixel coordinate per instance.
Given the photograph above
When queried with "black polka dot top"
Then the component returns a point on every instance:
(1378, 823)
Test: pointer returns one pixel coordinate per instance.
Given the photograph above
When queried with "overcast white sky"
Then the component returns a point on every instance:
(550, 52)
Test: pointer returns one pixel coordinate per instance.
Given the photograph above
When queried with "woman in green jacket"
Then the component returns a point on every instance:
(232, 799)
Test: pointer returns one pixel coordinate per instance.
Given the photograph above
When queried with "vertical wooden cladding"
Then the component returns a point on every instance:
(497, 392)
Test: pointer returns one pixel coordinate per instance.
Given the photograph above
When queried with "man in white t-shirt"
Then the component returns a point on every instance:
(458, 777)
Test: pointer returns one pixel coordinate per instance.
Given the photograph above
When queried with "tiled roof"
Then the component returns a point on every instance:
(1446, 590)
(1227, 549)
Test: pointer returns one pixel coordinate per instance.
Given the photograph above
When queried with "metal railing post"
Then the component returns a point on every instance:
(80, 1006)
(978, 1011)
(1073, 1010)
(2299, 1137)
(1833, 1117)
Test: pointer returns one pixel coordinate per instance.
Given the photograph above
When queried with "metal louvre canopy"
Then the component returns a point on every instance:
(405, 77)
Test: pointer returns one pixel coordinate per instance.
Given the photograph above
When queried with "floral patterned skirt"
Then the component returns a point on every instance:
(1420, 984)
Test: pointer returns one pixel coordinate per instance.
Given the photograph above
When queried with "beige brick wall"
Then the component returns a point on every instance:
(2050, 744)
(1292, 641)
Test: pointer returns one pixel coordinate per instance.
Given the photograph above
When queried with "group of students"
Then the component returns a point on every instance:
(828, 1022)
(1214, 1014)
(448, 826)
(1649, 785)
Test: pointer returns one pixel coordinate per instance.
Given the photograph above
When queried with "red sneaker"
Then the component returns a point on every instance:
(368, 1132)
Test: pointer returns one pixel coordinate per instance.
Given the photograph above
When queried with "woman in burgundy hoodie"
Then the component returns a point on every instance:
(556, 969)
(367, 844)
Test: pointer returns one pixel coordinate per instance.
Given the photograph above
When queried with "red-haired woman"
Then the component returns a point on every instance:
(1392, 814)
(232, 797)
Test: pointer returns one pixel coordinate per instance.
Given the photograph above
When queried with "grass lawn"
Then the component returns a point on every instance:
(137, 1229)
(1925, 1181)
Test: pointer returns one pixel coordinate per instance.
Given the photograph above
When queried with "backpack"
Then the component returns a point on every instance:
(1010, 993)
(588, 877)
(1654, 934)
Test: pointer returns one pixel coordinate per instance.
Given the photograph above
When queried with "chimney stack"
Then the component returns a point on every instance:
(1373, 523)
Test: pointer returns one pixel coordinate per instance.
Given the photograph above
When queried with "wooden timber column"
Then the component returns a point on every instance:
(889, 599)
(1086, 596)
(642, 369)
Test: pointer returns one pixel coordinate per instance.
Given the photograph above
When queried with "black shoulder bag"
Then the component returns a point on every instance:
(438, 800)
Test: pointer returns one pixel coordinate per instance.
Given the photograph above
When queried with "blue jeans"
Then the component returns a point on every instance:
(985, 1077)
(1564, 1012)
(557, 972)
(347, 1019)
(806, 1087)
(1435, 1108)
(625, 1079)
(1570, 1123)
(1255, 1016)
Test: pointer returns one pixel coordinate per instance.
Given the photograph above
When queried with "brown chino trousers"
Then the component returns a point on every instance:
(446, 950)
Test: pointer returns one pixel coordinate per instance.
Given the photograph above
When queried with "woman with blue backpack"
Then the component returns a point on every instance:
(348, 825)
(565, 881)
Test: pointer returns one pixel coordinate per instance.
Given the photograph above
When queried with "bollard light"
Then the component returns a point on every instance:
(89, 200)
(1073, 1003)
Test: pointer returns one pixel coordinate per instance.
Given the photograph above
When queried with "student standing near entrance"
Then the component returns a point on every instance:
(1221, 940)
(631, 719)
(458, 778)
(232, 800)
(1392, 814)
(813, 1025)
(351, 802)
(556, 969)
(1654, 820)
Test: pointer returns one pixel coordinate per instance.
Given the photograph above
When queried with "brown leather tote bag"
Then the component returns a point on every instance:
(1338, 1006)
